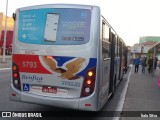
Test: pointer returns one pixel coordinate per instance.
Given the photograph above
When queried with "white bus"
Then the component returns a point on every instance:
(66, 56)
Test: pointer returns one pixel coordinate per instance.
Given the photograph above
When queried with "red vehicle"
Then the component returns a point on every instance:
(9, 38)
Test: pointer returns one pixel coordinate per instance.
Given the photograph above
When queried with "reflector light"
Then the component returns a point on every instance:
(88, 104)
(14, 67)
(49, 57)
(89, 81)
(15, 75)
(13, 94)
(87, 90)
(16, 81)
(90, 73)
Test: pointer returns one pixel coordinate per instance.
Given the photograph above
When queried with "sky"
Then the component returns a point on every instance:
(131, 19)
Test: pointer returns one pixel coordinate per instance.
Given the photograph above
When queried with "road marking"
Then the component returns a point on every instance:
(122, 97)
(5, 69)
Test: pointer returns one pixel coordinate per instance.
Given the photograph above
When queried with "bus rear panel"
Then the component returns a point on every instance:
(55, 56)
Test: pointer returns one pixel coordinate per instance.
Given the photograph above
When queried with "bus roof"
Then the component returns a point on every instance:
(59, 6)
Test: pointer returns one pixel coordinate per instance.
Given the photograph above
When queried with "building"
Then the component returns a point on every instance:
(10, 27)
(10, 23)
(145, 39)
(155, 50)
(145, 43)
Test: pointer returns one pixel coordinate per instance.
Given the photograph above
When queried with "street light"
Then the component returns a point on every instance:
(5, 33)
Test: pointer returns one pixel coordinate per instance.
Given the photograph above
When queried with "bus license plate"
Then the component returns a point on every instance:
(49, 90)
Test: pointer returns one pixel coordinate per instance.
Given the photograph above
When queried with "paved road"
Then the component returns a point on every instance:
(6, 64)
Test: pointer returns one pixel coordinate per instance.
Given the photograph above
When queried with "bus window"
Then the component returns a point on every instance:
(118, 47)
(54, 26)
(116, 54)
(105, 32)
(105, 42)
(105, 49)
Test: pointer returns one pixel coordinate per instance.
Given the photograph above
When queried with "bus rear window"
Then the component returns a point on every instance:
(52, 26)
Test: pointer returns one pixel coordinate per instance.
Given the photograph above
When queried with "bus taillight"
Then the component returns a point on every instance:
(16, 77)
(89, 82)
(14, 67)
(90, 73)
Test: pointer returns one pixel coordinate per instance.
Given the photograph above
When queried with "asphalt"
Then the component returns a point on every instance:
(7, 63)
(142, 97)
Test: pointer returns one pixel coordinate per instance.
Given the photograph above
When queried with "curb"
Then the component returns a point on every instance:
(5, 69)
(7, 56)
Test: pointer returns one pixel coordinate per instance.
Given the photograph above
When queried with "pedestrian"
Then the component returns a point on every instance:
(155, 63)
(143, 63)
(136, 63)
(159, 65)
(150, 64)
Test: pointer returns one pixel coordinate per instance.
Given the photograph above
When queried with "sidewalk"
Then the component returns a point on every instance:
(7, 63)
(143, 93)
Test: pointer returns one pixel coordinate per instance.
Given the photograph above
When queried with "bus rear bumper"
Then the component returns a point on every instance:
(71, 103)
(17, 95)
(57, 102)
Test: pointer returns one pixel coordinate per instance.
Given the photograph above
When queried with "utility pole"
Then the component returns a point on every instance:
(5, 34)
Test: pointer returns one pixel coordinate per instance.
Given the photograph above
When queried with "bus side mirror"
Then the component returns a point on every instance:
(14, 16)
